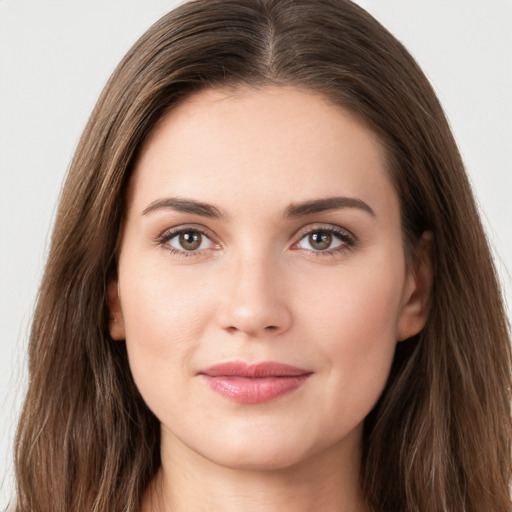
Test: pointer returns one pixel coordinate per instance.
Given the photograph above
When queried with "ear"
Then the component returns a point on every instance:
(115, 320)
(417, 294)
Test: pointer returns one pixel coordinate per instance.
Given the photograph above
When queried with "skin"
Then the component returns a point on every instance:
(259, 288)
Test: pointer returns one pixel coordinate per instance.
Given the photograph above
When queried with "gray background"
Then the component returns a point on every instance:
(55, 57)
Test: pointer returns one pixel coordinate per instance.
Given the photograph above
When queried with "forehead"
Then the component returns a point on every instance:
(280, 142)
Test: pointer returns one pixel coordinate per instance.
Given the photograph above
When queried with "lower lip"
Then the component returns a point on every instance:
(254, 390)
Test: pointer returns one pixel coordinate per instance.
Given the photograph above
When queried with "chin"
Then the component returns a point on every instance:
(258, 458)
(274, 447)
(263, 449)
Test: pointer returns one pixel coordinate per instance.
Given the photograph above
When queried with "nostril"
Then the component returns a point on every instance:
(269, 328)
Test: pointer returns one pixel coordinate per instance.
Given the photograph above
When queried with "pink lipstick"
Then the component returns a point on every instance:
(253, 383)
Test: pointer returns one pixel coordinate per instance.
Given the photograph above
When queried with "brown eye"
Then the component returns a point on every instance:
(320, 240)
(325, 240)
(190, 240)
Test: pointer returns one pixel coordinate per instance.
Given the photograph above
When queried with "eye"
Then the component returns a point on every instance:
(325, 240)
(186, 241)
(189, 241)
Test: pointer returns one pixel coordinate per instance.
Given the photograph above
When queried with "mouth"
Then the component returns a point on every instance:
(254, 383)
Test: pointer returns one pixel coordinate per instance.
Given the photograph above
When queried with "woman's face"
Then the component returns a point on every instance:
(261, 284)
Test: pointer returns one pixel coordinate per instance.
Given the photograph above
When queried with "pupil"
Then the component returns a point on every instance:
(190, 240)
(320, 240)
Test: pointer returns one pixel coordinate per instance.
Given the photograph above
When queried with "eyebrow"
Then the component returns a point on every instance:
(326, 204)
(186, 206)
(292, 211)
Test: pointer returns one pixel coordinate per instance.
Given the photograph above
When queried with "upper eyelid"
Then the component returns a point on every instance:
(170, 232)
(311, 228)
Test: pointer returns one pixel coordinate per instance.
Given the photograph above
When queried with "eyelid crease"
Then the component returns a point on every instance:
(319, 226)
(169, 233)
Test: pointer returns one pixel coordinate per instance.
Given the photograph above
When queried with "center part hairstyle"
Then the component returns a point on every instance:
(439, 437)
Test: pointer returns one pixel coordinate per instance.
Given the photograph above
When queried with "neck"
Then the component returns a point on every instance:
(326, 481)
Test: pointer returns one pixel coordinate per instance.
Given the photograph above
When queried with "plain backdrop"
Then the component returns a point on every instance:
(55, 57)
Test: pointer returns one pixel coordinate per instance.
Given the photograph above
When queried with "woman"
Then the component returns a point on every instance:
(268, 285)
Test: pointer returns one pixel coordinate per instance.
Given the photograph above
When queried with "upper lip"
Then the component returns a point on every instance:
(255, 370)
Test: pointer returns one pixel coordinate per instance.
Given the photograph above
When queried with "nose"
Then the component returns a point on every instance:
(254, 301)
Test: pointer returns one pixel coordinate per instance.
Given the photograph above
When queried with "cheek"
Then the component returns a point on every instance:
(164, 316)
(162, 304)
(354, 323)
(356, 301)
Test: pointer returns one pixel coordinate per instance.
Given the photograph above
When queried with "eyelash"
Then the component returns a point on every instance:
(348, 241)
(169, 234)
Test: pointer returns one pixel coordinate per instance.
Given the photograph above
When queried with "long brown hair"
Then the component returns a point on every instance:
(440, 436)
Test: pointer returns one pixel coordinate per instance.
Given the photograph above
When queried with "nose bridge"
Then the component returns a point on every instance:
(255, 301)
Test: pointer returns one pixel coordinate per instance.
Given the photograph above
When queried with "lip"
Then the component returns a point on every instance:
(253, 383)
